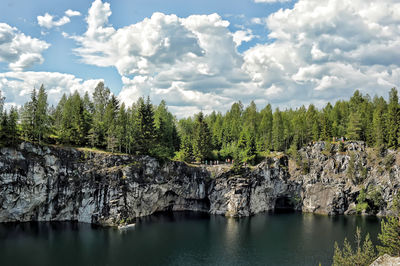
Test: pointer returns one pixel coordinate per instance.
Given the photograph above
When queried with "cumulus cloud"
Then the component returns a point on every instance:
(17, 86)
(324, 50)
(18, 50)
(48, 21)
(272, 1)
(241, 36)
(189, 61)
(317, 51)
(72, 13)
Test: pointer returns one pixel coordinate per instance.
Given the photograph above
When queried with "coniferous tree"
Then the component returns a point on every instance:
(277, 131)
(58, 115)
(101, 97)
(354, 128)
(393, 119)
(265, 128)
(363, 254)
(28, 117)
(390, 231)
(378, 124)
(146, 133)
(121, 128)
(110, 123)
(41, 119)
(202, 139)
(13, 125)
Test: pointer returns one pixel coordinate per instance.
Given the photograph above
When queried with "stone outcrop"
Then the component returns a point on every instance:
(55, 184)
(45, 183)
(332, 178)
(386, 260)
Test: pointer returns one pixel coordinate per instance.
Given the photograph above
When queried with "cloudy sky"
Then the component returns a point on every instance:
(201, 55)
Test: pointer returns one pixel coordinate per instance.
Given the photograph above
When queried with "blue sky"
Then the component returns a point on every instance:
(201, 55)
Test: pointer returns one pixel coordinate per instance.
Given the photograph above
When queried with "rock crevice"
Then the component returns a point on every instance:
(44, 183)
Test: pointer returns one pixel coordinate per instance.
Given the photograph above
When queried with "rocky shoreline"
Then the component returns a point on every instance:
(45, 183)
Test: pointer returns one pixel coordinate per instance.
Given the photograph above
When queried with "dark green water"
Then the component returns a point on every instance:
(183, 239)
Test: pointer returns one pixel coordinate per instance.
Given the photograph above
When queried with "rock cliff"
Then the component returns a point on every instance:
(45, 183)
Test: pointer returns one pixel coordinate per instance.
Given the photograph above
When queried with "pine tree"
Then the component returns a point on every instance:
(326, 123)
(393, 119)
(354, 128)
(101, 98)
(379, 126)
(390, 231)
(265, 128)
(13, 125)
(364, 253)
(165, 131)
(186, 151)
(110, 123)
(202, 139)
(121, 128)
(146, 133)
(277, 131)
(41, 119)
(58, 115)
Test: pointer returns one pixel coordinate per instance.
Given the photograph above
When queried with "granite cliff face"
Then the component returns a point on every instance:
(334, 177)
(44, 183)
(54, 184)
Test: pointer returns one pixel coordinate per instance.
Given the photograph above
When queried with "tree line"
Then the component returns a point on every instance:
(242, 133)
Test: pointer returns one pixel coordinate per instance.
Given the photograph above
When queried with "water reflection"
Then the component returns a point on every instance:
(231, 236)
(183, 239)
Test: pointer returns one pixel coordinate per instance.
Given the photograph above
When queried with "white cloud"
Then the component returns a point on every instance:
(48, 21)
(17, 86)
(72, 13)
(324, 50)
(19, 50)
(241, 36)
(317, 51)
(167, 57)
(272, 1)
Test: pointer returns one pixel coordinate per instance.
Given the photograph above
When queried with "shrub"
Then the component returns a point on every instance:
(388, 161)
(305, 168)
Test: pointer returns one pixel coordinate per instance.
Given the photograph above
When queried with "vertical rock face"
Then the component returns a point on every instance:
(336, 176)
(54, 184)
(44, 183)
(258, 190)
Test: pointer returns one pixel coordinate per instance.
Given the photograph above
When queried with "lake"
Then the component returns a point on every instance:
(184, 238)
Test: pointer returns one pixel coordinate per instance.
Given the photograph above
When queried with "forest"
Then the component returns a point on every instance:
(243, 134)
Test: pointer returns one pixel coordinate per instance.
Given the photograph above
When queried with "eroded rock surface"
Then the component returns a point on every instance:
(44, 183)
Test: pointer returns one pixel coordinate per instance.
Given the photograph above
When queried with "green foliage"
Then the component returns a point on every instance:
(388, 161)
(390, 231)
(354, 128)
(362, 204)
(202, 139)
(351, 168)
(243, 133)
(370, 200)
(35, 122)
(363, 254)
(393, 119)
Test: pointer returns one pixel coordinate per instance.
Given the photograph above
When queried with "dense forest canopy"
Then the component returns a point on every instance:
(242, 133)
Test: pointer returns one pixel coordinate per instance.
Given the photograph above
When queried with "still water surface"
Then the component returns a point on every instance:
(183, 239)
